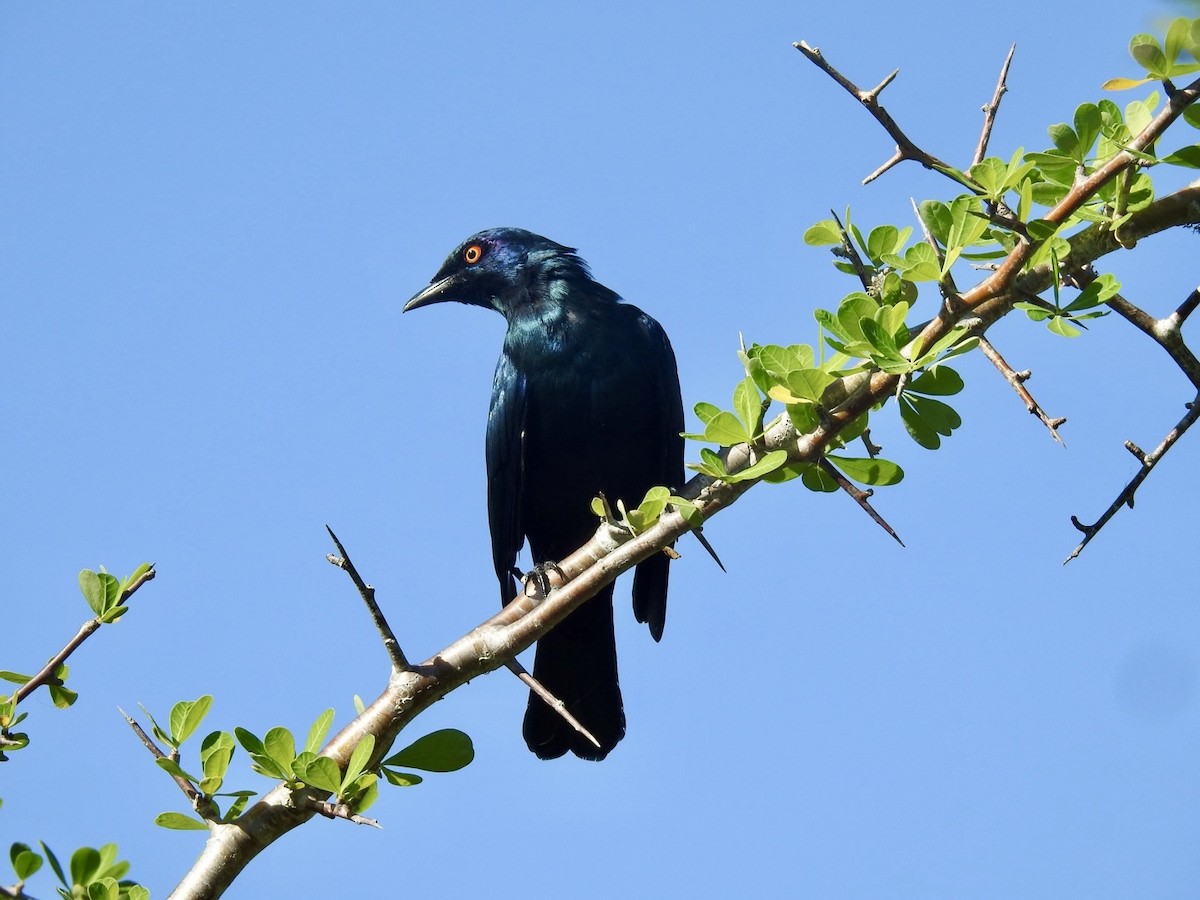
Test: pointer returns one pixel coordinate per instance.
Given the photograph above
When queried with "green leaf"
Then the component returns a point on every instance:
(249, 741)
(365, 793)
(186, 716)
(918, 429)
(940, 380)
(885, 239)
(173, 768)
(823, 233)
(816, 479)
(804, 416)
(101, 590)
(921, 263)
(15, 677)
(873, 471)
(179, 822)
(320, 772)
(1185, 156)
(85, 865)
(24, 861)
(747, 403)
(652, 506)
(215, 753)
(710, 463)
(358, 760)
(54, 864)
(990, 174)
(442, 751)
(1060, 326)
(60, 696)
(808, 384)
(320, 728)
(937, 218)
(280, 746)
(726, 430)
(769, 462)
(940, 416)
(401, 779)
(1145, 50)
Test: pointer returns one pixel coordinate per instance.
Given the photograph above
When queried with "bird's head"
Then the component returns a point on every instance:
(501, 269)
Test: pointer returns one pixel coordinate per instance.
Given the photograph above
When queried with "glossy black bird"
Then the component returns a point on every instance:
(585, 400)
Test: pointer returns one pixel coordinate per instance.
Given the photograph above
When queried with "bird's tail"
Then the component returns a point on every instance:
(577, 663)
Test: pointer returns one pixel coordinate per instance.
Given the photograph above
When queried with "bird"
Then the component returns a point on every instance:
(585, 401)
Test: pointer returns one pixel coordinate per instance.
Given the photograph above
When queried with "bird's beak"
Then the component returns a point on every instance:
(437, 292)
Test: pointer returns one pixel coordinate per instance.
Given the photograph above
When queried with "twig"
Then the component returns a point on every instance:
(553, 702)
(905, 148)
(1017, 380)
(201, 804)
(851, 254)
(46, 674)
(860, 496)
(990, 110)
(341, 811)
(390, 644)
(1148, 461)
(1166, 332)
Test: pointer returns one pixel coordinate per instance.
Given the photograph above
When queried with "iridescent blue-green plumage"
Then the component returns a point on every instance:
(585, 400)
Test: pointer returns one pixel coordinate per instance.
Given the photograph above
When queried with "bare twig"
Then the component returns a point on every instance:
(1017, 380)
(861, 497)
(1148, 460)
(390, 644)
(514, 666)
(340, 811)
(905, 148)
(990, 110)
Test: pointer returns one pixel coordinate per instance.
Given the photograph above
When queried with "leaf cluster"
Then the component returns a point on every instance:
(275, 756)
(93, 873)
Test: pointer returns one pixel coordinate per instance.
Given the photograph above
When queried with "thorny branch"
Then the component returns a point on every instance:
(905, 148)
(231, 847)
(1017, 380)
(342, 561)
(993, 297)
(1148, 461)
(990, 110)
(861, 497)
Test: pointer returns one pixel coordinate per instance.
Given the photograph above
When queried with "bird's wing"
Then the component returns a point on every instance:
(505, 454)
(650, 578)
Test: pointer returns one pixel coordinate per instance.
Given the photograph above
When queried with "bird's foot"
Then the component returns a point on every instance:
(539, 577)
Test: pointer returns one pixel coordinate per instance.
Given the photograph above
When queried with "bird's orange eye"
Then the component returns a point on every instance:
(472, 254)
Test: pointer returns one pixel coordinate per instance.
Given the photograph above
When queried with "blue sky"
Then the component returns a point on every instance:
(212, 216)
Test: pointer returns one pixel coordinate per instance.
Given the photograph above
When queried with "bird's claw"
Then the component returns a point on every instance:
(539, 576)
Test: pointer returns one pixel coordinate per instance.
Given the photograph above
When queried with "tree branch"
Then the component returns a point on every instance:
(390, 644)
(1017, 380)
(990, 109)
(46, 674)
(1148, 461)
(905, 148)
